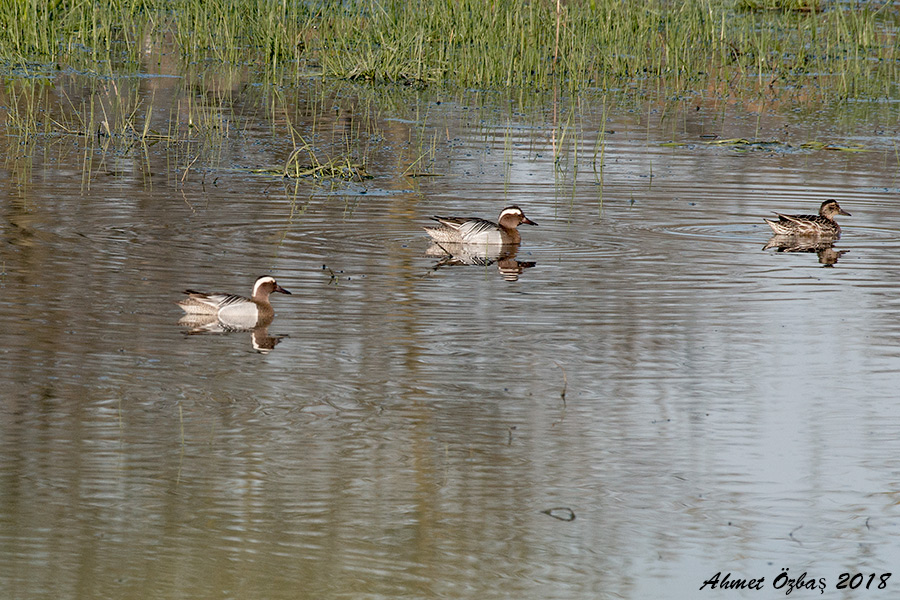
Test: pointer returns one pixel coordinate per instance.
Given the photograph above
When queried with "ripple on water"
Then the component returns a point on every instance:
(720, 232)
(406, 435)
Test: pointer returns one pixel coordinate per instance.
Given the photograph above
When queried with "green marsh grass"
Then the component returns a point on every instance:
(103, 118)
(606, 44)
(842, 49)
(360, 58)
(339, 167)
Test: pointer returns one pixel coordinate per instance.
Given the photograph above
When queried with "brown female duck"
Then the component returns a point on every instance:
(820, 225)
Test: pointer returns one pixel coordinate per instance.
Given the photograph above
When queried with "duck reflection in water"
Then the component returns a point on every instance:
(260, 338)
(227, 313)
(452, 255)
(824, 248)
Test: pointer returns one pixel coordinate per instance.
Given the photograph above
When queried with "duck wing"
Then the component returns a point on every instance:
(217, 300)
(799, 219)
(805, 225)
(468, 227)
(475, 227)
(451, 222)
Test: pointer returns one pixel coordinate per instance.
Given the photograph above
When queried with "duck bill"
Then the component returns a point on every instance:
(278, 288)
(844, 212)
(528, 221)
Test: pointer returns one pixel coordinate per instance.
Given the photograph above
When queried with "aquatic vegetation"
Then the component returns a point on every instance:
(796, 5)
(315, 68)
(742, 144)
(334, 167)
(848, 49)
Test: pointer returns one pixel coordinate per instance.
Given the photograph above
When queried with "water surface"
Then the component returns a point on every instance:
(697, 404)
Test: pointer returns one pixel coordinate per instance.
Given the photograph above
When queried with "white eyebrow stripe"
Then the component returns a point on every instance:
(261, 281)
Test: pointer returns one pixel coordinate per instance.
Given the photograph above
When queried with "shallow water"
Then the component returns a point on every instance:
(698, 404)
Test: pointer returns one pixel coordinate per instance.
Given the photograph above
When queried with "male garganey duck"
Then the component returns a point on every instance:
(232, 308)
(472, 230)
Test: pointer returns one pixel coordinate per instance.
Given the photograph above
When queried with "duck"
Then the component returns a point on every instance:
(472, 230)
(822, 225)
(230, 308)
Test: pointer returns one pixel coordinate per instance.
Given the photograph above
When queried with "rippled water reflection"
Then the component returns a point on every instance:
(698, 403)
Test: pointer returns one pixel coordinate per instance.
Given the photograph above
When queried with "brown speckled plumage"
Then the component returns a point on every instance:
(822, 224)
